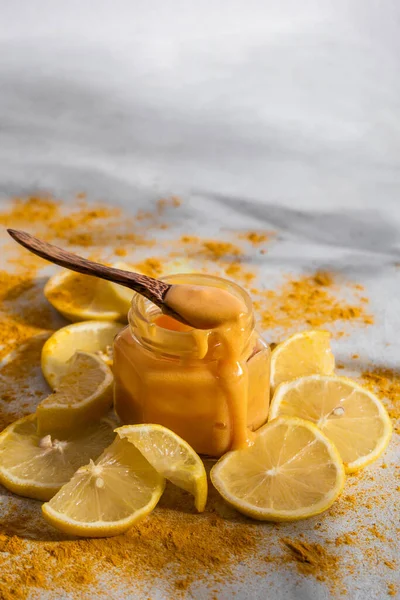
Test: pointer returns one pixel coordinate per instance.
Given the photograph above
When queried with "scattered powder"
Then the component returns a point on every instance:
(312, 559)
(165, 203)
(205, 249)
(386, 383)
(323, 278)
(174, 540)
(257, 238)
(344, 504)
(120, 252)
(346, 539)
(30, 210)
(216, 257)
(153, 267)
(312, 301)
(189, 239)
(220, 250)
(240, 273)
(375, 532)
(86, 225)
(22, 385)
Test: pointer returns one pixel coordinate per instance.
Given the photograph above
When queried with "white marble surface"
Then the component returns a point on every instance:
(282, 115)
(293, 103)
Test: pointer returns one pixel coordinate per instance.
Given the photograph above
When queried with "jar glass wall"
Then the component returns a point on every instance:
(159, 377)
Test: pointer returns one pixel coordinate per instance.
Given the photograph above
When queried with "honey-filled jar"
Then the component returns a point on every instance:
(170, 373)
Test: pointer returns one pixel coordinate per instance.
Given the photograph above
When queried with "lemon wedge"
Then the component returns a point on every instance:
(292, 471)
(88, 336)
(303, 353)
(353, 418)
(171, 456)
(82, 297)
(84, 395)
(36, 466)
(108, 496)
(120, 295)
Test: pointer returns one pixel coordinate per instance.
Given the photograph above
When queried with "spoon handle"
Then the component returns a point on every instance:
(153, 289)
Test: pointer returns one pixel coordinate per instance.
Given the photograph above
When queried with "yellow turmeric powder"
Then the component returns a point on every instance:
(174, 541)
(311, 301)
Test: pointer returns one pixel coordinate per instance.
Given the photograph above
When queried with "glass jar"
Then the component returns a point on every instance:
(159, 377)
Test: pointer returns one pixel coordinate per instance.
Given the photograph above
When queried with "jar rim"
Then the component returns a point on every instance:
(143, 312)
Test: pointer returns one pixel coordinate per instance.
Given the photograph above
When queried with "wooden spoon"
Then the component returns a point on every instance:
(152, 289)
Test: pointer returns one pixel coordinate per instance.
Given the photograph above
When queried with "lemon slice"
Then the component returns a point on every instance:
(353, 418)
(84, 395)
(292, 471)
(36, 466)
(82, 297)
(88, 336)
(179, 266)
(171, 456)
(108, 496)
(120, 295)
(301, 354)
